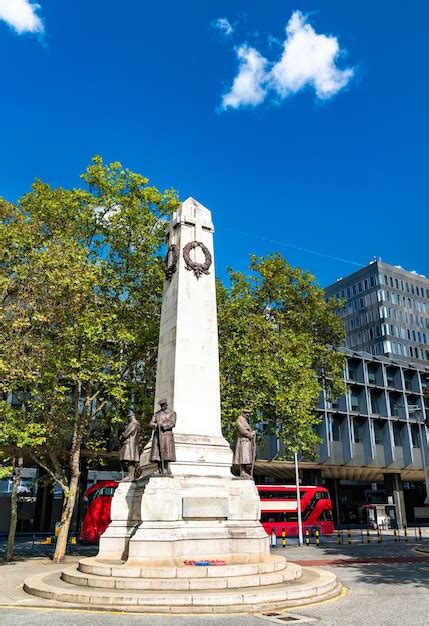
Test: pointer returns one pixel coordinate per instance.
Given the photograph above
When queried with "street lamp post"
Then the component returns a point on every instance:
(298, 500)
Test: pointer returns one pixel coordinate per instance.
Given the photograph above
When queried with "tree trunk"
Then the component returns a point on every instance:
(17, 474)
(68, 508)
(70, 495)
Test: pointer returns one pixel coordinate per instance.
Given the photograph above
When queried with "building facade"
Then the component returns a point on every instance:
(385, 312)
(374, 440)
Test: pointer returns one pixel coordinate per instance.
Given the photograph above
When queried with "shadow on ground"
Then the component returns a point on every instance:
(390, 563)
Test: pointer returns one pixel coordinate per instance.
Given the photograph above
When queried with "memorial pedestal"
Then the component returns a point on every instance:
(165, 519)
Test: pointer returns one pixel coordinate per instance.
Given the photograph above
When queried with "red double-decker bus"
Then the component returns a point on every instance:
(97, 501)
(279, 509)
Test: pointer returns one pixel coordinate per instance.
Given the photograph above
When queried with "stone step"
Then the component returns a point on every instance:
(122, 569)
(74, 576)
(313, 586)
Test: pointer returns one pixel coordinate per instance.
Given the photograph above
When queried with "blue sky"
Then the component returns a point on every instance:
(322, 144)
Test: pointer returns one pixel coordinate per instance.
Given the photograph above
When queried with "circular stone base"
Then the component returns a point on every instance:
(189, 589)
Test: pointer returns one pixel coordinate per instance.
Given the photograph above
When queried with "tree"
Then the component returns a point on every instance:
(81, 287)
(276, 334)
(16, 433)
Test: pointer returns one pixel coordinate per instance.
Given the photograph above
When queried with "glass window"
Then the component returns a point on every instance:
(335, 426)
(415, 437)
(357, 431)
(272, 494)
(274, 516)
(378, 432)
(326, 516)
(374, 403)
(397, 434)
(321, 495)
(408, 380)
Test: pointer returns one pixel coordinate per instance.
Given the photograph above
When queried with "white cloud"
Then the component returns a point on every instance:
(308, 60)
(21, 15)
(247, 88)
(223, 24)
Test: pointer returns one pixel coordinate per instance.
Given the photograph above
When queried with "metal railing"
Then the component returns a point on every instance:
(43, 544)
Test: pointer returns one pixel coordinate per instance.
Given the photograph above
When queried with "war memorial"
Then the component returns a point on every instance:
(185, 536)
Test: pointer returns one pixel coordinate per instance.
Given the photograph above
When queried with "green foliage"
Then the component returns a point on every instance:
(80, 284)
(275, 335)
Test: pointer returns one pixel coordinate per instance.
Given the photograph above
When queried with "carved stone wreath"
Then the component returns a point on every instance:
(170, 261)
(197, 268)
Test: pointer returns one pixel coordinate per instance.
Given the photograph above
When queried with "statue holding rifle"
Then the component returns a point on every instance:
(163, 450)
(129, 452)
(245, 447)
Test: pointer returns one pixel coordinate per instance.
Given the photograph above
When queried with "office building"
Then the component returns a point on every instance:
(385, 312)
(374, 442)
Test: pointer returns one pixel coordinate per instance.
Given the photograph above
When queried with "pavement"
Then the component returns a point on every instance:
(386, 584)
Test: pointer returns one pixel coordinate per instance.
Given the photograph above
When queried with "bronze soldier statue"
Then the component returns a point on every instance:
(245, 446)
(163, 450)
(129, 454)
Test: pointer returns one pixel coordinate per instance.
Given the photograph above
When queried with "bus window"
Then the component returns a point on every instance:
(326, 516)
(279, 495)
(321, 495)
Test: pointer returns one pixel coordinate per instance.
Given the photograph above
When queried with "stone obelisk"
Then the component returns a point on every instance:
(188, 361)
(202, 510)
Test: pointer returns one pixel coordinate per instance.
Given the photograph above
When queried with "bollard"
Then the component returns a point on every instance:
(273, 539)
(349, 536)
(420, 533)
(368, 536)
(395, 536)
(283, 538)
(317, 538)
(405, 534)
(340, 538)
(378, 535)
(307, 537)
